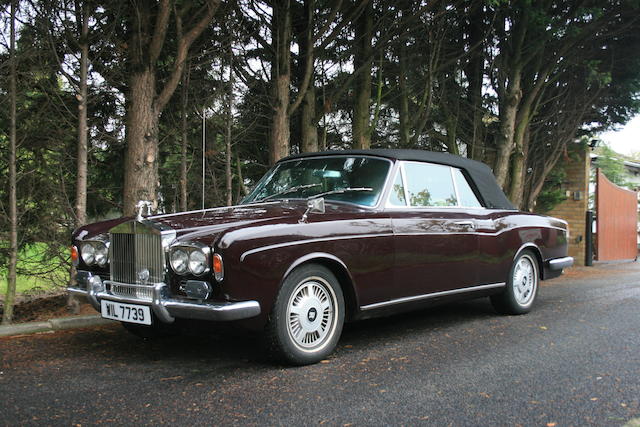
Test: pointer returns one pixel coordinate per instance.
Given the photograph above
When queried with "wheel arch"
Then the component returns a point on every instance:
(536, 252)
(339, 269)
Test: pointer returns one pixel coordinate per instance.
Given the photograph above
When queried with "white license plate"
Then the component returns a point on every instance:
(131, 313)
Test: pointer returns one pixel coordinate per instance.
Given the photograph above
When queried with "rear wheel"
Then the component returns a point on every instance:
(522, 286)
(307, 317)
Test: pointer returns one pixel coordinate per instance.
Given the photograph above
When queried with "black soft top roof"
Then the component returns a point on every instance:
(482, 176)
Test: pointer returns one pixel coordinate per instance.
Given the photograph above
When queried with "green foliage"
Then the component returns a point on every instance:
(552, 192)
(37, 270)
(611, 165)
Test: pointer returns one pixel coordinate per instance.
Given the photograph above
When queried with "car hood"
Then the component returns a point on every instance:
(206, 226)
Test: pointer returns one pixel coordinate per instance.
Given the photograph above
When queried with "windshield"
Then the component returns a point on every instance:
(349, 179)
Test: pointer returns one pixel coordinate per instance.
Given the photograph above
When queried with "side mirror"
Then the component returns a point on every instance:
(316, 205)
(313, 206)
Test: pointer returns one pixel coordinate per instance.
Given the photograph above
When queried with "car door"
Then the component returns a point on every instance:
(432, 214)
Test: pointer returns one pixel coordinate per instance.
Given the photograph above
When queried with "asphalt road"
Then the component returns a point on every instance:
(574, 360)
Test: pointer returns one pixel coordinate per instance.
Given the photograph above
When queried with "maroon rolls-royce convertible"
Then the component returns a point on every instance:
(324, 238)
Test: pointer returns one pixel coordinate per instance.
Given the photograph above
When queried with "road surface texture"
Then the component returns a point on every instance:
(574, 360)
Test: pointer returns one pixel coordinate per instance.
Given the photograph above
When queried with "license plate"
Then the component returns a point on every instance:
(131, 313)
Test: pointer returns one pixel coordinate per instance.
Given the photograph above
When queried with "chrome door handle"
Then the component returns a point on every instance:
(469, 224)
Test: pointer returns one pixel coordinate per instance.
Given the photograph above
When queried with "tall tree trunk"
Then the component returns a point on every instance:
(475, 75)
(229, 114)
(308, 123)
(363, 64)
(405, 131)
(518, 160)
(505, 138)
(242, 189)
(82, 172)
(184, 192)
(141, 160)
(81, 178)
(148, 29)
(281, 80)
(7, 315)
(309, 137)
(510, 97)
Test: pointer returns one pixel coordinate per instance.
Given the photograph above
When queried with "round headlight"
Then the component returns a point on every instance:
(88, 253)
(179, 261)
(101, 254)
(197, 262)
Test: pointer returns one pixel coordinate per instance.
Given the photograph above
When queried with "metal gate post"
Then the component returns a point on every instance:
(588, 244)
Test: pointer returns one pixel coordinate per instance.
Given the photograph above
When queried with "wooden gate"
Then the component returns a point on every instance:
(616, 219)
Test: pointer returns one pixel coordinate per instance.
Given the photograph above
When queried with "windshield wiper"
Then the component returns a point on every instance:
(288, 190)
(344, 190)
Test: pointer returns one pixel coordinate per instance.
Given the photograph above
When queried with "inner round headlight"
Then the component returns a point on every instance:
(197, 262)
(101, 254)
(179, 261)
(88, 253)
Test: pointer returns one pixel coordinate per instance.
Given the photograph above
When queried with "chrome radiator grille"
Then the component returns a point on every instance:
(132, 254)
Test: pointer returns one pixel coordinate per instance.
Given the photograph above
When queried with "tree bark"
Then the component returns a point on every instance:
(81, 177)
(7, 315)
(144, 104)
(518, 160)
(309, 137)
(308, 124)
(362, 64)
(82, 13)
(508, 113)
(475, 75)
(405, 127)
(281, 80)
(184, 192)
(229, 124)
(141, 160)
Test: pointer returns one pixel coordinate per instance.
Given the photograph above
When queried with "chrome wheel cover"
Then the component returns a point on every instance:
(311, 314)
(524, 280)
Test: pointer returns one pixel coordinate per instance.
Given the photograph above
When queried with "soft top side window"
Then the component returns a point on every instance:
(431, 185)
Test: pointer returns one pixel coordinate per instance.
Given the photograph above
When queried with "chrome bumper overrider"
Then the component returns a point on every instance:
(165, 308)
(560, 263)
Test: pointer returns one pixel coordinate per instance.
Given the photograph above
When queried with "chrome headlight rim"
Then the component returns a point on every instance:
(179, 260)
(94, 253)
(197, 259)
(87, 253)
(101, 255)
(197, 262)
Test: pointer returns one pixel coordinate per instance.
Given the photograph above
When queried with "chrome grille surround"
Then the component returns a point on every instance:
(137, 255)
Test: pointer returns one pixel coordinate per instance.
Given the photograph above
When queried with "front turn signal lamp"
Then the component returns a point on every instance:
(217, 267)
(75, 256)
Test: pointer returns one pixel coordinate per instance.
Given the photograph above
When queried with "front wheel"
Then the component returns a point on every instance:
(307, 317)
(522, 286)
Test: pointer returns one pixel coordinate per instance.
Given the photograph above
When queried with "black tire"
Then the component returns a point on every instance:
(307, 318)
(153, 331)
(522, 286)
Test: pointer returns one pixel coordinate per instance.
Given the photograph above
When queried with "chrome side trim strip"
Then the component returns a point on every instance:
(432, 295)
(333, 238)
(560, 263)
(305, 241)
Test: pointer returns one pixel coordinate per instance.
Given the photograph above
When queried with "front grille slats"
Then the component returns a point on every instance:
(132, 254)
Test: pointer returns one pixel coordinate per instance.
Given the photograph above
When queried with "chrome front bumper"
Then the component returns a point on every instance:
(165, 308)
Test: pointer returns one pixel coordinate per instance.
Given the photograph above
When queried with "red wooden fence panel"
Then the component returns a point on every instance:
(617, 217)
